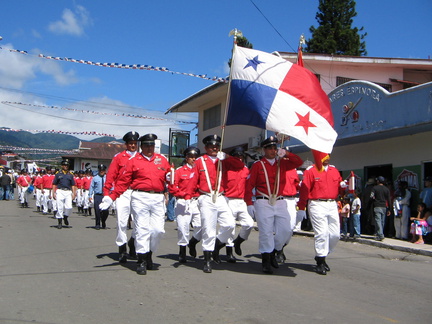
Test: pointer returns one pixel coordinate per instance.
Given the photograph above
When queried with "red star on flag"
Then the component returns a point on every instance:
(304, 122)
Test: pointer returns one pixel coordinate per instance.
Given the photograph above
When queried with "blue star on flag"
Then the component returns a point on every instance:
(254, 63)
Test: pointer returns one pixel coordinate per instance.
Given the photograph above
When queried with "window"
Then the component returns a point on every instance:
(342, 80)
(212, 117)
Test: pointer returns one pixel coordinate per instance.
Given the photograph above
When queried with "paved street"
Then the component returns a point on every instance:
(71, 275)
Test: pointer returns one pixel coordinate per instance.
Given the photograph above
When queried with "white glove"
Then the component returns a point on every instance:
(221, 155)
(187, 206)
(301, 214)
(251, 210)
(343, 184)
(106, 203)
(281, 152)
(168, 177)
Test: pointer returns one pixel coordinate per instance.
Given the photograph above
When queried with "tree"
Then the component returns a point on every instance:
(335, 34)
(242, 42)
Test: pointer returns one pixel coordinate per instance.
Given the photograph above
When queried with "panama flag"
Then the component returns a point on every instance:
(269, 92)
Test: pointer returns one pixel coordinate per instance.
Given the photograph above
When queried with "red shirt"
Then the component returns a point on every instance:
(319, 185)
(37, 182)
(86, 182)
(47, 181)
(24, 181)
(118, 162)
(142, 174)
(235, 182)
(292, 183)
(258, 181)
(198, 181)
(182, 177)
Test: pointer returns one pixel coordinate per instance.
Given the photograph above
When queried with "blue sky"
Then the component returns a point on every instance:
(188, 36)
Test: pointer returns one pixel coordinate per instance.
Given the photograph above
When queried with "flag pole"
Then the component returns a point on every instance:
(236, 33)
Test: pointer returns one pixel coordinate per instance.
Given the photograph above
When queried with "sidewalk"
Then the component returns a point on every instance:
(387, 243)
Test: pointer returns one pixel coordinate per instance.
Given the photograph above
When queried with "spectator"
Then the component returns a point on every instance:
(419, 226)
(355, 229)
(426, 194)
(380, 196)
(5, 182)
(402, 213)
(344, 216)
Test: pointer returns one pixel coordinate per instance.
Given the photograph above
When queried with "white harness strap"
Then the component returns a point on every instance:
(271, 197)
(214, 193)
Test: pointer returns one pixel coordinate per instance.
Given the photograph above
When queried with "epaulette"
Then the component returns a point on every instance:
(310, 167)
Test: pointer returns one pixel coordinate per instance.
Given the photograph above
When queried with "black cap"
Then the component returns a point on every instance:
(237, 151)
(81, 172)
(43, 171)
(212, 140)
(148, 139)
(272, 140)
(102, 167)
(428, 179)
(131, 136)
(191, 150)
(380, 179)
(48, 168)
(65, 162)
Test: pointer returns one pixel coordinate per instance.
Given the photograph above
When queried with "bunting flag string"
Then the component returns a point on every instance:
(96, 112)
(121, 65)
(34, 150)
(91, 133)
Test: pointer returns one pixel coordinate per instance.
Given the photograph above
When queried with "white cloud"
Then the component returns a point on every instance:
(17, 69)
(72, 22)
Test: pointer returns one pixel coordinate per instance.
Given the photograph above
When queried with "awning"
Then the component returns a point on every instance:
(411, 83)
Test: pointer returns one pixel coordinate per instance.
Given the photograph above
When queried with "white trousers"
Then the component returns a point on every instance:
(85, 199)
(148, 211)
(274, 225)
(213, 214)
(324, 217)
(184, 219)
(38, 197)
(46, 201)
(292, 211)
(64, 203)
(401, 223)
(123, 207)
(24, 195)
(239, 210)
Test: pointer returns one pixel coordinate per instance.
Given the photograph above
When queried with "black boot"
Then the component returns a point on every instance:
(266, 264)
(230, 255)
(122, 253)
(192, 247)
(149, 260)
(132, 252)
(182, 254)
(142, 263)
(66, 220)
(85, 212)
(218, 245)
(26, 204)
(280, 256)
(22, 205)
(207, 262)
(89, 210)
(326, 267)
(273, 261)
(59, 225)
(38, 209)
(320, 269)
(237, 242)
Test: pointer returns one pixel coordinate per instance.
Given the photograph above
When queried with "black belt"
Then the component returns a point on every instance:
(262, 197)
(98, 194)
(64, 189)
(326, 200)
(149, 191)
(289, 196)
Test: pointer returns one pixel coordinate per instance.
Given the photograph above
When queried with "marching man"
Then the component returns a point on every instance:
(145, 174)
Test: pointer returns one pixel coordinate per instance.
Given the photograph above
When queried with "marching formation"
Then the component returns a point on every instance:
(213, 191)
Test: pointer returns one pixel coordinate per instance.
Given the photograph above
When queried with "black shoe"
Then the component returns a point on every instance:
(230, 255)
(192, 247)
(132, 252)
(97, 227)
(59, 225)
(149, 260)
(122, 253)
(273, 261)
(142, 264)
(66, 220)
(182, 254)
(207, 262)
(320, 268)
(266, 263)
(38, 209)
(218, 245)
(237, 242)
(103, 225)
(280, 257)
(89, 211)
